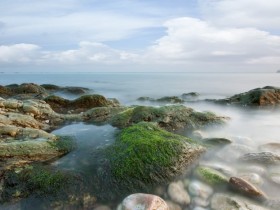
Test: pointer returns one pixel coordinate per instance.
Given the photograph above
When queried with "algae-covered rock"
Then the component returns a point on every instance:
(216, 141)
(171, 118)
(211, 176)
(36, 149)
(80, 104)
(266, 96)
(146, 153)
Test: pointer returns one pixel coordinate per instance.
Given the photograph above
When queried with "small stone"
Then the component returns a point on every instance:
(173, 206)
(197, 188)
(211, 176)
(245, 187)
(142, 201)
(197, 201)
(178, 194)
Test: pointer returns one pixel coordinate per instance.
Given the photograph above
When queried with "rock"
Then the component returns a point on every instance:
(171, 118)
(78, 105)
(266, 96)
(75, 90)
(145, 98)
(252, 178)
(143, 202)
(211, 176)
(261, 158)
(216, 141)
(51, 87)
(245, 187)
(199, 189)
(229, 202)
(273, 147)
(190, 95)
(201, 202)
(178, 194)
(224, 169)
(171, 99)
(147, 154)
(173, 206)
(102, 207)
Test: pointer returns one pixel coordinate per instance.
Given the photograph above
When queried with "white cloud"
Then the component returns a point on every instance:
(193, 40)
(242, 13)
(19, 53)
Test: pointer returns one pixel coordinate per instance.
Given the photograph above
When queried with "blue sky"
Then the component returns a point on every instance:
(140, 35)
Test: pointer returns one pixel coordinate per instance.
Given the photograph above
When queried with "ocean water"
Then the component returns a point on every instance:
(247, 128)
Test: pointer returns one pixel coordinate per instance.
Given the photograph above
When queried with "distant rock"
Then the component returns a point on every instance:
(266, 96)
(190, 96)
(166, 99)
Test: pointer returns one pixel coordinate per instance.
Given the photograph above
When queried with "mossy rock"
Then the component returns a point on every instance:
(57, 103)
(176, 117)
(148, 154)
(211, 176)
(216, 141)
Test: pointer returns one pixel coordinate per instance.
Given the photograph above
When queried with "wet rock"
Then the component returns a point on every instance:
(146, 153)
(245, 187)
(173, 206)
(197, 201)
(211, 176)
(230, 202)
(178, 194)
(143, 202)
(170, 99)
(171, 118)
(266, 96)
(199, 189)
(102, 207)
(190, 95)
(252, 178)
(78, 105)
(216, 141)
(273, 147)
(261, 158)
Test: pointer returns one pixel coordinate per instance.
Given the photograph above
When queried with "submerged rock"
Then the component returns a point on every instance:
(143, 202)
(147, 154)
(176, 117)
(261, 158)
(178, 194)
(245, 187)
(211, 176)
(266, 96)
(230, 202)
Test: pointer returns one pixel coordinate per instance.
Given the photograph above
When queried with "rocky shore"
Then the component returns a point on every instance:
(148, 154)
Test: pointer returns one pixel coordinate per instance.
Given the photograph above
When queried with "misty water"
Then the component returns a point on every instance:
(247, 128)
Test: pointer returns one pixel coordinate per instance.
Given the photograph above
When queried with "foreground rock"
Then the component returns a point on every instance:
(176, 117)
(178, 194)
(144, 153)
(143, 202)
(230, 202)
(266, 96)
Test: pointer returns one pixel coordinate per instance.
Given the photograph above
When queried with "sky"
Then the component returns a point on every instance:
(140, 36)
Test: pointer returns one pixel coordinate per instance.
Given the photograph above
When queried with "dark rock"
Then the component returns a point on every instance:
(190, 95)
(144, 153)
(171, 99)
(266, 96)
(171, 118)
(145, 98)
(81, 104)
(216, 141)
(51, 87)
(245, 187)
(261, 158)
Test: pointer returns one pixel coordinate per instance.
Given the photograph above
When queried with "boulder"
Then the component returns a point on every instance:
(176, 117)
(145, 153)
(266, 96)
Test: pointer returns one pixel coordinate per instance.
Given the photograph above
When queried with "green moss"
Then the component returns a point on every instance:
(123, 118)
(211, 176)
(64, 144)
(144, 150)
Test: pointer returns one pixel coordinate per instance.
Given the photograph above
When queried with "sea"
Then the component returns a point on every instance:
(248, 128)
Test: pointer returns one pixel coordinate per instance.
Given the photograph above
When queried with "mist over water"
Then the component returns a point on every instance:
(247, 128)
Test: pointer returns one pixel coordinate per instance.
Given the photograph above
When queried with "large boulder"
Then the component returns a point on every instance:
(176, 117)
(80, 104)
(148, 154)
(266, 96)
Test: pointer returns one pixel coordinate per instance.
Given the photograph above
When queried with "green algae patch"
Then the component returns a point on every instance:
(147, 153)
(211, 176)
(64, 144)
